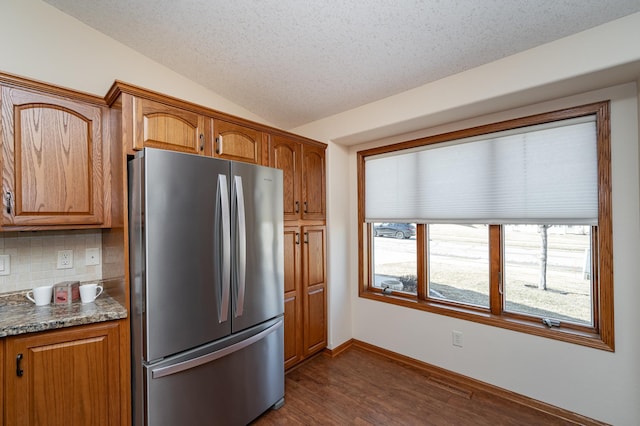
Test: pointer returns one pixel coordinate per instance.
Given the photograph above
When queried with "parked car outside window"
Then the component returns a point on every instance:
(397, 230)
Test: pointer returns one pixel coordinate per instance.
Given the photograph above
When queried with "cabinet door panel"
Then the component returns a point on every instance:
(315, 332)
(69, 377)
(166, 127)
(285, 155)
(52, 179)
(292, 321)
(313, 182)
(292, 300)
(291, 258)
(233, 142)
(314, 257)
(52, 160)
(314, 289)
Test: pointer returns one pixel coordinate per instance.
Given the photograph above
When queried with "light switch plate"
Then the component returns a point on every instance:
(5, 264)
(92, 256)
(456, 337)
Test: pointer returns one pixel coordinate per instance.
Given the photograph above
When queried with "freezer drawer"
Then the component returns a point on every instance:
(229, 385)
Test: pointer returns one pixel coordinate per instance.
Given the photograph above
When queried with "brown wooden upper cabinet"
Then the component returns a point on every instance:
(304, 177)
(234, 142)
(313, 182)
(52, 162)
(163, 126)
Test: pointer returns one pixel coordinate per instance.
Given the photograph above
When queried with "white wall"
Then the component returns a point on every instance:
(339, 206)
(42, 43)
(595, 383)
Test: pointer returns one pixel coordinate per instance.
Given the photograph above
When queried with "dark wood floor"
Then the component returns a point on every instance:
(359, 387)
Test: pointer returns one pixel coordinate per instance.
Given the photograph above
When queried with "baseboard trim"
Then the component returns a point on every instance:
(459, 382)
(337, 351)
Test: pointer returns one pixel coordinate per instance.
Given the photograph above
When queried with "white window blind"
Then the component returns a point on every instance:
(540, 174)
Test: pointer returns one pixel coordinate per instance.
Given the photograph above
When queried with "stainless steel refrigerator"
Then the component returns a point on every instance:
(207, 277)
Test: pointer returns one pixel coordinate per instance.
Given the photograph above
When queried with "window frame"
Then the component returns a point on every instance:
(600, 336)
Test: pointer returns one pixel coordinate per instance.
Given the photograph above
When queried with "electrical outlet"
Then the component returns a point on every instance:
(456, 338)
(92, 256)
(65, 259)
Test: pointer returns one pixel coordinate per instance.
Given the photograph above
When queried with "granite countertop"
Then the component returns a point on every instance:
(18, 315)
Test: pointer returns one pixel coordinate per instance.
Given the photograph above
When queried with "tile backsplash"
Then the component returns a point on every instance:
(34, 255)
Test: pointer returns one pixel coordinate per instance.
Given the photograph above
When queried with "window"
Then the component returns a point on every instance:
(394, 257)
(547, 272)
(458, 263)
(507, 224)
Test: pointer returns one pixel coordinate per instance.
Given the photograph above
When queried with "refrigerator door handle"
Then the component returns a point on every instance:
(241, 251)
(226, 247)
(204, 359)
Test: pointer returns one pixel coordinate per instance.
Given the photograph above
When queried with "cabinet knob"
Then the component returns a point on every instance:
(297, 238)
(19, 371)
(218, 144)
(297, 206)
(305, 207)
(306, 238)
(201, 141)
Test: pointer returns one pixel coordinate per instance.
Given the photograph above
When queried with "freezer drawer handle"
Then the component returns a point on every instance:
(192, 363)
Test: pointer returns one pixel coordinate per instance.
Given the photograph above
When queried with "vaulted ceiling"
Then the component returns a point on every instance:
(293, 61)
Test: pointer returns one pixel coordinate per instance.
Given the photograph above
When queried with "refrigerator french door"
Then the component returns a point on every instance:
(206, 268)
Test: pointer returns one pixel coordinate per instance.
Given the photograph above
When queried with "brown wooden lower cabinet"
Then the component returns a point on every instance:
(64, 377)
(2, 381)
(305, 312)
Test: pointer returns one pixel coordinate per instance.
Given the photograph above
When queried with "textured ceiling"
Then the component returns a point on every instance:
(295, 61)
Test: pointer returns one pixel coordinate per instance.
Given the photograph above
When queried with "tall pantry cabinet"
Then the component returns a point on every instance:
(305, 295)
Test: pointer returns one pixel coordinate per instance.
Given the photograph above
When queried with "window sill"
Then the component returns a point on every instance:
(592, 340)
